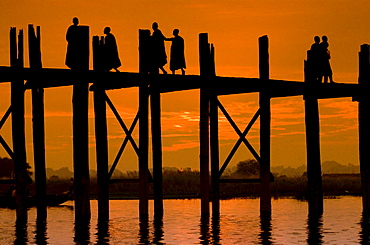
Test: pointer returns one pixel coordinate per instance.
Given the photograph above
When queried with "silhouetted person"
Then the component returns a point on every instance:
(315, 59)
(158, 48)
(111, 59)
(177, 58)
(326, 70)
(73, 45)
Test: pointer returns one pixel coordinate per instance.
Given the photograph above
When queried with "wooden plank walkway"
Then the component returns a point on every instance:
(48, 77)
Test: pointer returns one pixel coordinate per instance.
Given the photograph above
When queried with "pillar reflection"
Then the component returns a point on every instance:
(314, 229)
(82, 232)
(266, 227)
(102, 233)
(40, 232)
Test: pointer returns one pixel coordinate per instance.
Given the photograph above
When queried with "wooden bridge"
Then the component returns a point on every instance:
(151, 85)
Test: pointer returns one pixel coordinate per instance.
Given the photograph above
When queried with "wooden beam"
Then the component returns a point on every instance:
(81, 135)
(363, 125)
(214, 142)
(312, 121)
(38, 126)
(101, 137)
(265, 125)
(155, 106)
(144, 68)
(204, 126)
(18, 127)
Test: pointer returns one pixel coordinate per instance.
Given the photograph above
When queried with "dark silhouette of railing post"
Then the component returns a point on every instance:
(101, 134)
(204, 62)
(18, 127)
(144, 68)
(265, 125)
(214, 142)
(38, 126)
(81, 133)
(363, 125)
(312, 121)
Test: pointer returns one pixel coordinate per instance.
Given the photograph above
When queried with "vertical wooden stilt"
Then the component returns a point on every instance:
(18, 127)
(144, 68)
(214, 143)
(312, 121)
(155, 105)
(101, 136)
(38, 126)
(204, 125)
(265, 125)
(363, 126)
(81, 135)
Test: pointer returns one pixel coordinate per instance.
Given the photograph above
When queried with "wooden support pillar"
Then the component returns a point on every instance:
(38, 126)
(18, 127)
(312, 121)
(204, 58)
(144, 68)
(265, 125)
(101, 135)
(363, 125)
(81, 133)
(214, 142)
(155, 106)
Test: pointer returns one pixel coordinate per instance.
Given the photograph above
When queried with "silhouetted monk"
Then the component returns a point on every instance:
(73, 45)
(326, 70)
(111, 59)
(315, 59)
(158, 48)
(177, 58)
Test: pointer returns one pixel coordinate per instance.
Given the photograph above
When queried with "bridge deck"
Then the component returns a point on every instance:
(48, 77)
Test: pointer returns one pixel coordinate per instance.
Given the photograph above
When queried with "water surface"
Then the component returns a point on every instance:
(239, 223)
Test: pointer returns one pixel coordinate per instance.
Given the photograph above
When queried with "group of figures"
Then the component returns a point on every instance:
(319, 58)
(110, 49)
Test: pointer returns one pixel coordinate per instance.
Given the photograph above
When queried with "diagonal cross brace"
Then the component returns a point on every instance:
(123, 125)
(241, 137)
(2, 141)
(124, 143)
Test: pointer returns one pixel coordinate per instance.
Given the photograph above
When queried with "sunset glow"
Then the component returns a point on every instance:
(234, 27)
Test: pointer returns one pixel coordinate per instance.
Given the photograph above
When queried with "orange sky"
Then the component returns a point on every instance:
(234, 27)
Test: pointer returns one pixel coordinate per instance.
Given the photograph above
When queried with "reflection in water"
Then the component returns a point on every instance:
(265, 225)
(144, 231)
(102, 233)
(158, 231)
(204, 230)
(40, 232)
(20, 234)
(82, 232)
(215, 234)
(365, 229)
(314, 229)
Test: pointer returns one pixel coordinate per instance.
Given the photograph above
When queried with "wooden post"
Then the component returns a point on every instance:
(363, 126)
(265, 125)
(18, 127)
(81, 134)
(204, 57)
(101, 136)
(144, 68)
(155, 105)
(312, 121)
(214, 144)
(38, 126)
